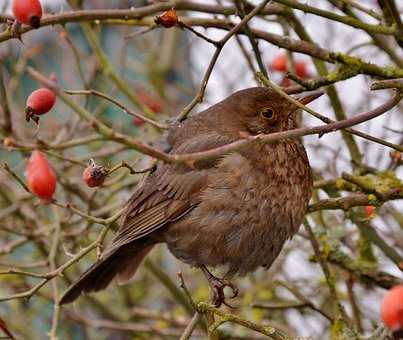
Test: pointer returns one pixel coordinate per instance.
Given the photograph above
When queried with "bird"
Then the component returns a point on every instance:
(235, 211)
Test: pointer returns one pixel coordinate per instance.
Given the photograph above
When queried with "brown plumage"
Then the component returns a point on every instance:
(236, 211)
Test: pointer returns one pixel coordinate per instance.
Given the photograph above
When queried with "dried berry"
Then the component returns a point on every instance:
(167, 19)
(40, 176)
(94, 175)
(28, 12)
(38, 103)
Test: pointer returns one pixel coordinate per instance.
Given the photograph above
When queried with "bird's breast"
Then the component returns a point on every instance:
(254, 202)
(284, 183)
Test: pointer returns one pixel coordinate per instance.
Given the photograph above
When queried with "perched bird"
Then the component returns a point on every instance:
(235, 211)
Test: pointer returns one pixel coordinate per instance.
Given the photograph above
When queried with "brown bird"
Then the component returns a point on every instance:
(235, 211)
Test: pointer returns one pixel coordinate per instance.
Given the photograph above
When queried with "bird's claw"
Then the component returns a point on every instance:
(218, 285)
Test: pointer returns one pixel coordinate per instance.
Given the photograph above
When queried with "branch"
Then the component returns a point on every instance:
(354, 200)
(48, 276)
(347, 20)
(271, 332)
(371, 276)
(388, 84)
(341, 318)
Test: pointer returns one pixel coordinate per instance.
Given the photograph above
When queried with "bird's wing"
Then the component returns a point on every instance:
(168, 194)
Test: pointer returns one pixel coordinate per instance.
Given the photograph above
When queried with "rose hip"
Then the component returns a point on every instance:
(28, 12)
(94, 175)
(38, 103)
(392, 309)
(40, 176)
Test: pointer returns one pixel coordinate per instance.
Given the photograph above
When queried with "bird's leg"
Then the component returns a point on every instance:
(217, 286)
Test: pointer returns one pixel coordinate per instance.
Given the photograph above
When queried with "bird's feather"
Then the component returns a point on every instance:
(168, 194)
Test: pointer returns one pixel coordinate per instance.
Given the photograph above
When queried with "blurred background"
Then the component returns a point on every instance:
(159, 72)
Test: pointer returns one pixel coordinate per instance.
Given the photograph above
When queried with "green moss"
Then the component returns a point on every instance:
(372, 200)
(337, 328)
(346, 59)
(342, 184)
(391, 71)
(202, 307)
(269, 330)
(366, 258)
(341, 331)
(343, 72)
(326, 249)
(361, 66)
(388, 180)
(381, 183)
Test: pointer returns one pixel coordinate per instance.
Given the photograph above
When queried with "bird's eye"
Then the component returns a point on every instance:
(267, 114)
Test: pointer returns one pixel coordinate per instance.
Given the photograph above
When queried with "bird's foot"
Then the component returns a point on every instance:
(217, 286)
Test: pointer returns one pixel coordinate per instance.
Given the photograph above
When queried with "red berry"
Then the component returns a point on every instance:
(41, 177)
(279, 63)
(94, 175)
(392, 308)
(39, 102)
(138, 121)
(301, 69)
(370, 211)
(152, 102)
(28, 12)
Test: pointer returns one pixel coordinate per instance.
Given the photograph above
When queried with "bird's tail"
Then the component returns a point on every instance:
(122, 262)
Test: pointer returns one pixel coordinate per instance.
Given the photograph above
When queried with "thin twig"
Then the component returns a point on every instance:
(119, 104)
(7, 168)
(187, 333)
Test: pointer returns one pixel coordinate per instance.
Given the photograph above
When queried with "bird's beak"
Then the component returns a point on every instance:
(307, 98)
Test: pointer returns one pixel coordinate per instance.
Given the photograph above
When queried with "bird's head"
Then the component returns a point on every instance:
(261, 110)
